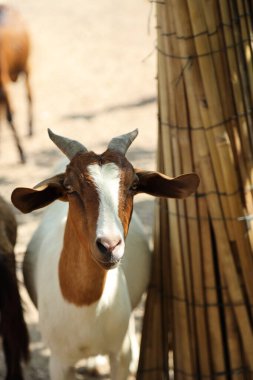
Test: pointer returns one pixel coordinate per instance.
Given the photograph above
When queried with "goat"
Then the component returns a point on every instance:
(12, 325)
(14, 54)
(72, 265)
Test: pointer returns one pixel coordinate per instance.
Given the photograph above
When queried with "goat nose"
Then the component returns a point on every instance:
(106, 246)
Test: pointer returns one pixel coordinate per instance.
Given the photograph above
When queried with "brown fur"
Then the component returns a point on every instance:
(78, 271)
(14, 53)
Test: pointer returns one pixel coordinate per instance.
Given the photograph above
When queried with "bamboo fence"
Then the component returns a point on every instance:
(198, 321)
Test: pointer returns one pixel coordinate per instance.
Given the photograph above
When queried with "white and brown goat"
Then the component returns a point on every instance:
(84, 307)
(14, 54)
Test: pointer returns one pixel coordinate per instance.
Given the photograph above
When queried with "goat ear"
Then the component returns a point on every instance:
(159, 185)
(27, 200)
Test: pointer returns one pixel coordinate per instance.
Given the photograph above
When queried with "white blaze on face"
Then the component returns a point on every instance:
(107, 181)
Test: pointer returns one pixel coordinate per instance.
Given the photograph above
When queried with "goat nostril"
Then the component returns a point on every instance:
(107, 246)
(101, 247)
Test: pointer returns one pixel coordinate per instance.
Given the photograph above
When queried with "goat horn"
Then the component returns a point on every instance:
(122, 143)
(69, 147)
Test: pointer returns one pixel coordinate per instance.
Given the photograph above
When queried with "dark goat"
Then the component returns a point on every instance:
(14, 53)
(12, 325)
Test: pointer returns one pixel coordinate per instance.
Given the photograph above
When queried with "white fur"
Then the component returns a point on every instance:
(72, 332)
(106, 179)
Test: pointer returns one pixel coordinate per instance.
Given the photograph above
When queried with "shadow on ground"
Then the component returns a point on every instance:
(118, 107)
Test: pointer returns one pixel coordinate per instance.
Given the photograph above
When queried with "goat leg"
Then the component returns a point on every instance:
(12, 359)
(13, 327)
(29, 99)
(9, 117)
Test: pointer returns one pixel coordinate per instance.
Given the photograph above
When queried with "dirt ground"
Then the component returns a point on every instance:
(93, 75)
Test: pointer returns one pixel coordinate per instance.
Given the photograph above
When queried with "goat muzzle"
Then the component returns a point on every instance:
(109, 252)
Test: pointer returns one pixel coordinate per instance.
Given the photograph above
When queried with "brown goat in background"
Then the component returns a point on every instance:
(14, 53)
(12, 325)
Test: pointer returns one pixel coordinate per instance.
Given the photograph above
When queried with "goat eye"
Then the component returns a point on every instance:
(69, 188)
(134, 186)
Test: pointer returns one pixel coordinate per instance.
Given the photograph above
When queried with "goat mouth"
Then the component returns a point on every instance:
(108, 264)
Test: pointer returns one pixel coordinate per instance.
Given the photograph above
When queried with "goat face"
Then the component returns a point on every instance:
(100, 190)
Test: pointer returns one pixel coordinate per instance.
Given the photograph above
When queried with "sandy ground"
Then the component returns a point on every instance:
(93, 77)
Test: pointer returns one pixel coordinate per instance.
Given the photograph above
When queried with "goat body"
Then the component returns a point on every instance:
(12, 325)
(72, 332)
(14, 54)
(85, 267)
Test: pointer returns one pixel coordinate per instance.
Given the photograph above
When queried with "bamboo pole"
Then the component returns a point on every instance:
(172, 74)
(153, 347)
(191, 252)
(183, 367)
(212, 290)
(244, 54)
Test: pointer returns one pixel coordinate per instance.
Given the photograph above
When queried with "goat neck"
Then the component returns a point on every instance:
(82, 280)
